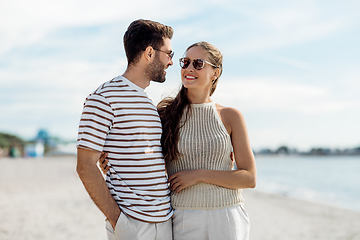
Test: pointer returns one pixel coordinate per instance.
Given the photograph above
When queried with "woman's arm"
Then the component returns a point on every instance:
(245, 174)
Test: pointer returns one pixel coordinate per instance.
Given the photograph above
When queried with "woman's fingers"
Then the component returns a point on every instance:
(176, 184)
(104, 167)
(103, 163)
(102, 157)
(175, 187)
(171, 177)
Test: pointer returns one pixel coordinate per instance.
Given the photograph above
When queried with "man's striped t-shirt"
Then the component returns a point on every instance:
(120, 119)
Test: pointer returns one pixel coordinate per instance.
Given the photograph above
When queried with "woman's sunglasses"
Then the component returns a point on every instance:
(197, 63)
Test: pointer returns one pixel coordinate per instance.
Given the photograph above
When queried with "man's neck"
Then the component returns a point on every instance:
(137, 76)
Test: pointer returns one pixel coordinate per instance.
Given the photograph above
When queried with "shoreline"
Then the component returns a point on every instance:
(43, 198)
(304, 200)
(276, 217)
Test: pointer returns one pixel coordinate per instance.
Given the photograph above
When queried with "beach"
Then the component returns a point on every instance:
(43, 198)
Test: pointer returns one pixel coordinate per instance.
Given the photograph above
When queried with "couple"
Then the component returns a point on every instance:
(195, 138)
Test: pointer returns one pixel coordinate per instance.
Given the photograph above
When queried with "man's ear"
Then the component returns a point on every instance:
(149, 53)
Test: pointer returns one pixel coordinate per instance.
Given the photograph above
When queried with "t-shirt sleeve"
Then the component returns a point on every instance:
(95, 123)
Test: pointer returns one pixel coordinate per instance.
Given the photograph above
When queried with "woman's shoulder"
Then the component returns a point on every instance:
(231, 117)
(228, 112)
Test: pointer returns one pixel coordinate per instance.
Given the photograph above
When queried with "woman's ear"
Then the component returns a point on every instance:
(216, 74)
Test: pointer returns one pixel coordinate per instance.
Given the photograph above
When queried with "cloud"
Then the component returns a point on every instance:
(41, 14)
(264, 94)
(290, 61)
(280, 111)
(261, 27)
(27, 22)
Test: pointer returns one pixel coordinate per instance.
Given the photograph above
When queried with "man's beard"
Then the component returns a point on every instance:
(155, 70)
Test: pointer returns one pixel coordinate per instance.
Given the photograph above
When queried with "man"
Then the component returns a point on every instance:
(120, 119)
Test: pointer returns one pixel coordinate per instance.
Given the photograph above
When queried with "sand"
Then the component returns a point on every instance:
(44, 199)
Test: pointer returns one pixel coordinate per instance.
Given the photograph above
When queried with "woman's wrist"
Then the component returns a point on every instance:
(201, 175)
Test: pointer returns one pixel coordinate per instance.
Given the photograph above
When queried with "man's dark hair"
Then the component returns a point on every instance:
(143, 33)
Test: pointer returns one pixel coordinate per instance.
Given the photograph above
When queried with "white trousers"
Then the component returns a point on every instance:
(229, 223)
(128, 228)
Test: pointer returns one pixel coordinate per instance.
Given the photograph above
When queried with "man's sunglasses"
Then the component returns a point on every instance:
(170, 54)
(197, 63)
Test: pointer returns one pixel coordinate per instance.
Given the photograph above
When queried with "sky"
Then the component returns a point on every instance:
(291, 67)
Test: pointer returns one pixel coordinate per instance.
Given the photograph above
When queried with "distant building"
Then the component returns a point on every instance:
(36, 149)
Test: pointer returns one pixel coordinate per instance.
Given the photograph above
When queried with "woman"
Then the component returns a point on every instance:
(198, 138)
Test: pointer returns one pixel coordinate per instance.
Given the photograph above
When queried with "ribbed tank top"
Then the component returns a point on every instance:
(204, 144)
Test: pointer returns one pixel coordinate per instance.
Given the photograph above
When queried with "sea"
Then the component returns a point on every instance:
(331, 180)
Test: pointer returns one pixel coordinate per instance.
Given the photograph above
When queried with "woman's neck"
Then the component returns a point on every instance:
(198, 96)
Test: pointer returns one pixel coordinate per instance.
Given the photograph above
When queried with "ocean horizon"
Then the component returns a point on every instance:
(331, 180)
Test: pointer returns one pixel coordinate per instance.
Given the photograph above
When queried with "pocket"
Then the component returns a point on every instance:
(118, 220)
(178, 220)
(108, 225)
(109, 228)
(124, 228)
(243, 213)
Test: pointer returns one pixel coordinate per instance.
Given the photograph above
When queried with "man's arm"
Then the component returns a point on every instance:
(95, 185)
